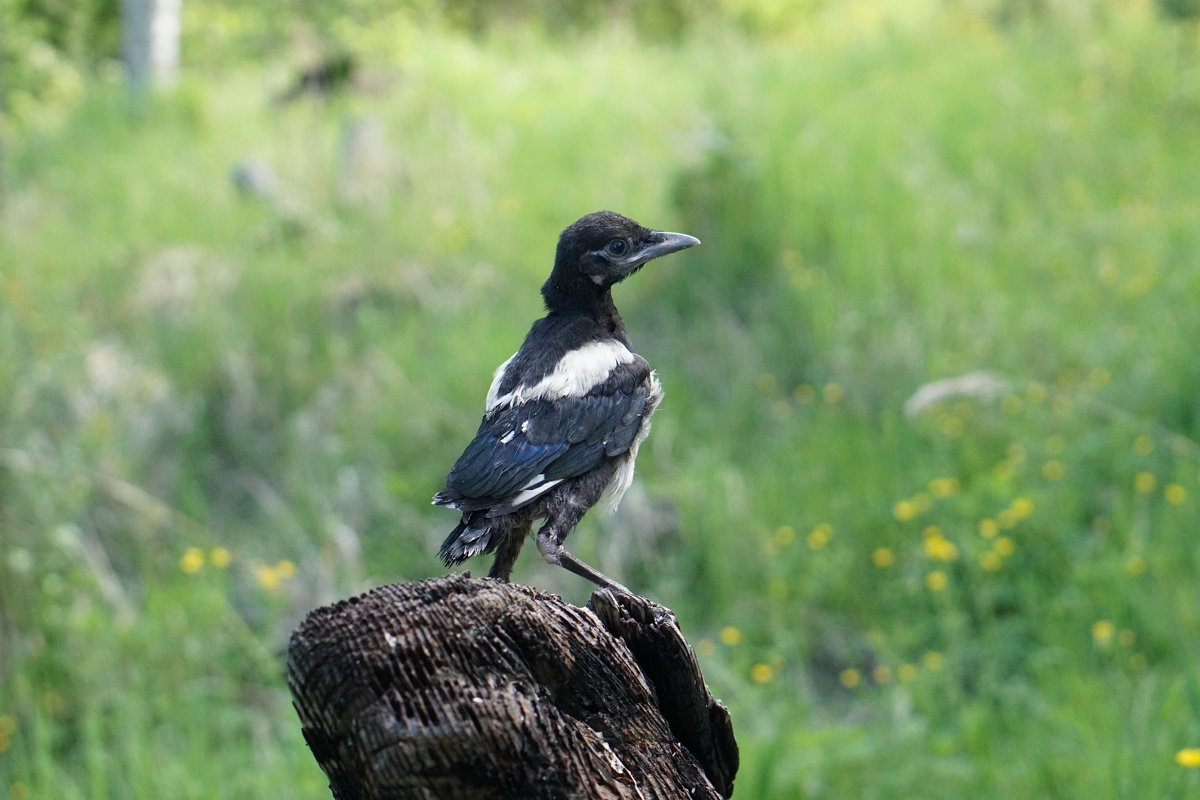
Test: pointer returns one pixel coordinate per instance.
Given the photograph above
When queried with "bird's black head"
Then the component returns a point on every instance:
(600, 250)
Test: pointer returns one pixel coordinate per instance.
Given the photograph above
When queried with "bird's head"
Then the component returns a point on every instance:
(600, 250)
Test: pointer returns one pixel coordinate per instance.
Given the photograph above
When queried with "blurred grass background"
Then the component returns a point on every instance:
(221, 408)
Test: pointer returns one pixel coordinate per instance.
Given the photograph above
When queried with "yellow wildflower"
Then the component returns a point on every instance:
(832, 394)
(286, 569)
(267, 577)
(1004, 546)
(730, 635)
(882, 557)
(988, 528)
(1021, 507)
(933, 660)
(882, 674)
(991, 561)
(705, 647)
(1175, 494)
(1143, 445)
(1053, 469)
(906, 673)
(803, 393)
(192, 560)
(819, 536)
(762, 673)
(850, 678)
(904, 510)
(220, 557)
(1102, 631)
(936, 580)
(1144, 482)
(1135, 566)
(944, 487)
(1188, 757)
(1126, 637)
(939, 548)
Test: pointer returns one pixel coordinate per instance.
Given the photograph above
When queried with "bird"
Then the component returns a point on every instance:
(565, 415)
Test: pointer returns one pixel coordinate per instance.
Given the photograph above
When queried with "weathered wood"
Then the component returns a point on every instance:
(474, 688)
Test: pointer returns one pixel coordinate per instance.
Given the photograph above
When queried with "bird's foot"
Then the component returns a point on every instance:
(554, 553)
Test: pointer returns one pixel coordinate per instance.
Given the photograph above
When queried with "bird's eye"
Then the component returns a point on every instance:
(617, 247)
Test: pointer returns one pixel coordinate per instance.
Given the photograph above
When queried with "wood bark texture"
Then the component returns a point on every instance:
(462, 687)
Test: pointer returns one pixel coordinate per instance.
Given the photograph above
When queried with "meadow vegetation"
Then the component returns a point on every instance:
(220, 410)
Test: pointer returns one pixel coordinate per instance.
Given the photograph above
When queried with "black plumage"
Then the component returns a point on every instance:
(566, 414)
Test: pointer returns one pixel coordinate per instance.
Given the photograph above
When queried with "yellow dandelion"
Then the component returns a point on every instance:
(705, 647)
(882, 557)
(904, 510)
(939, 548)
(192, 560)
(1136, 565)
(1126, 637)
(1004, 546)
(1188, 757)
(906, 673)
(762, 673)
(803, 393)
(286, 569)
(936, 580)
(933, 660)
(991, 561)
(1143, 445)
(850, 678)
(1144, 482)
(1053, 469)
(730, 635)
(1007, 519)
(882, 674)
(931, 532)
(1102, 631)
(820, 536)
(1175, 494)
(784, 535)
(832, 394)
(266, 576)
(944, 487)
(988, 528)
(778, 588)
(1021, 507)
(220, 557)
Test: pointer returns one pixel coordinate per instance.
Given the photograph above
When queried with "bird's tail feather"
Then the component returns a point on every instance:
(472, 536)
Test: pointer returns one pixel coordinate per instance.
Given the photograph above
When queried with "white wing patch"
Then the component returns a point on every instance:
(575, 374)
(537, 486)
(497, 379)
(623, 477)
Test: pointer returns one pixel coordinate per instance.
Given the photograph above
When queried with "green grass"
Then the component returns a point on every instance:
(997, 596)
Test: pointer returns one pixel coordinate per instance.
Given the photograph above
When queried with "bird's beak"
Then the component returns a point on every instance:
(662, 243)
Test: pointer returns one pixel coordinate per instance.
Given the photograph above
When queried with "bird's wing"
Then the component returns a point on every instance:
(524, 450)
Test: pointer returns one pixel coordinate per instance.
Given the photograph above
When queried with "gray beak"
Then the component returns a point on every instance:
(664, 242)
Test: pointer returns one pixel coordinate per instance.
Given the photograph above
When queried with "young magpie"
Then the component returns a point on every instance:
(566, 413)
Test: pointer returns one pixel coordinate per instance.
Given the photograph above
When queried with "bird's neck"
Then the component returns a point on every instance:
(596, 305)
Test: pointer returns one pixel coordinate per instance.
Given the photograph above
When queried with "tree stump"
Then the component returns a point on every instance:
(462, 687)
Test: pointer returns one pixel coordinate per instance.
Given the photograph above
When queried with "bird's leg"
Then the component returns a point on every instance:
(506, 553)
(549, 544)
